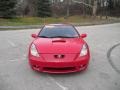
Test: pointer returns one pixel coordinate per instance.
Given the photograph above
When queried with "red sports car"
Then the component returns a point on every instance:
(58, 48)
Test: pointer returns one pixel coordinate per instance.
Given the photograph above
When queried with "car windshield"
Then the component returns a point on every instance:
(62, 31)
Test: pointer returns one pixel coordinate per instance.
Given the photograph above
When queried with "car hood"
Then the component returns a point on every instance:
(58, 45)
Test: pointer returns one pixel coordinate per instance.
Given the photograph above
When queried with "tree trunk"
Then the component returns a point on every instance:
(68, 8)
(32, 7)
(95, 8)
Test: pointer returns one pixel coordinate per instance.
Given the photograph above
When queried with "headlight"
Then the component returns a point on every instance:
(34, 51)
(84, 50)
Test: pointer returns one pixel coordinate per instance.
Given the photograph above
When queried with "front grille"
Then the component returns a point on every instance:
(59, 69)
(59, 56)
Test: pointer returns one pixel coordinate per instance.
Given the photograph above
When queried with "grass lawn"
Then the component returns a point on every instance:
(40, 21)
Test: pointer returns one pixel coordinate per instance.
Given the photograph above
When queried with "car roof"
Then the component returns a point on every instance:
(58, 25)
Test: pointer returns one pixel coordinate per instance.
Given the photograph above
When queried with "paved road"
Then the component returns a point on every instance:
(15, 73)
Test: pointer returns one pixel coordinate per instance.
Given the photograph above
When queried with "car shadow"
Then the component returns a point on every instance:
(61, 75)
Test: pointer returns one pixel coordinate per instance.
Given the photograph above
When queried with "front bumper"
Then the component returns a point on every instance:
(41, 65)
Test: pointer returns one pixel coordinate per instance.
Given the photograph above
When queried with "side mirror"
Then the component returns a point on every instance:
(83, 35)
(34, 35)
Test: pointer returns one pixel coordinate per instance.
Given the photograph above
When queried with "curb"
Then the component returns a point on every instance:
(21, 27)
(6, 28)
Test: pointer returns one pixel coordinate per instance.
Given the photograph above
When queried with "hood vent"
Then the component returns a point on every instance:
(60, 40)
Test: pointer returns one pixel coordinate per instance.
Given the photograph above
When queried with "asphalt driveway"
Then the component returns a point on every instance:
(103, 72)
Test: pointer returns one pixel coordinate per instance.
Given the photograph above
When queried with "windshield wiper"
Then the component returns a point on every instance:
(62, 37)
(56, 37)
(43, 36)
